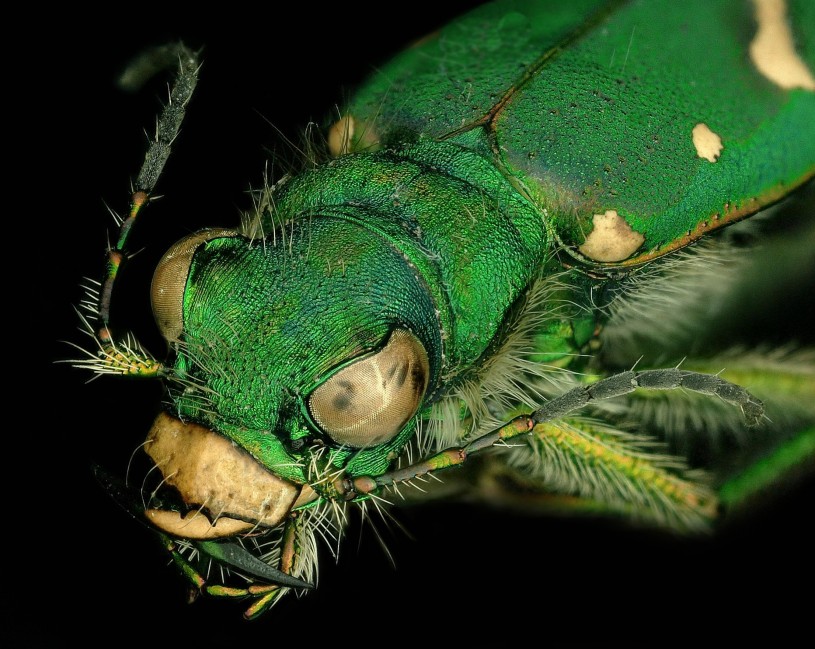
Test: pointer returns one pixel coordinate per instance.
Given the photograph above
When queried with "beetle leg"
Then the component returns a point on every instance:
(199, 584)
(287, 561)
(262, 594)
(620, 473)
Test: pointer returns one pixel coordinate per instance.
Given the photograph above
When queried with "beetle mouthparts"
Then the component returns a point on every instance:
(211, 474)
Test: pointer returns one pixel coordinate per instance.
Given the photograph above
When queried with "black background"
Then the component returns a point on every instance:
(81, 569)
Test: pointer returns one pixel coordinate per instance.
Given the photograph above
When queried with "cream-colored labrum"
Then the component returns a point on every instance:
(227, 491)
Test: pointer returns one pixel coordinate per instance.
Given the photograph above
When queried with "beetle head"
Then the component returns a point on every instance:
(304, 354)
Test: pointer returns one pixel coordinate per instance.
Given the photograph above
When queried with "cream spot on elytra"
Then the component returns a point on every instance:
(773, 51)
(708, 144)
(611, 239)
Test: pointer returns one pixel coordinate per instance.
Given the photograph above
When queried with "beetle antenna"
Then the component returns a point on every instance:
(168, 126)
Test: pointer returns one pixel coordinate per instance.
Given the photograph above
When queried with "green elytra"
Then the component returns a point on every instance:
(472, 173)
(592, 107)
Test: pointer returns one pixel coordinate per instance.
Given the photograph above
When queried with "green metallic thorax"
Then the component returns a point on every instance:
(467, 231)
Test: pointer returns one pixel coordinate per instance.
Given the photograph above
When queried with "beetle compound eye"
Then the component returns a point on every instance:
(369, 402)
(170, 280)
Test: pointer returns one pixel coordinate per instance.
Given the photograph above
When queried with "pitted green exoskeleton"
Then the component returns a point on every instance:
(504, 255)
